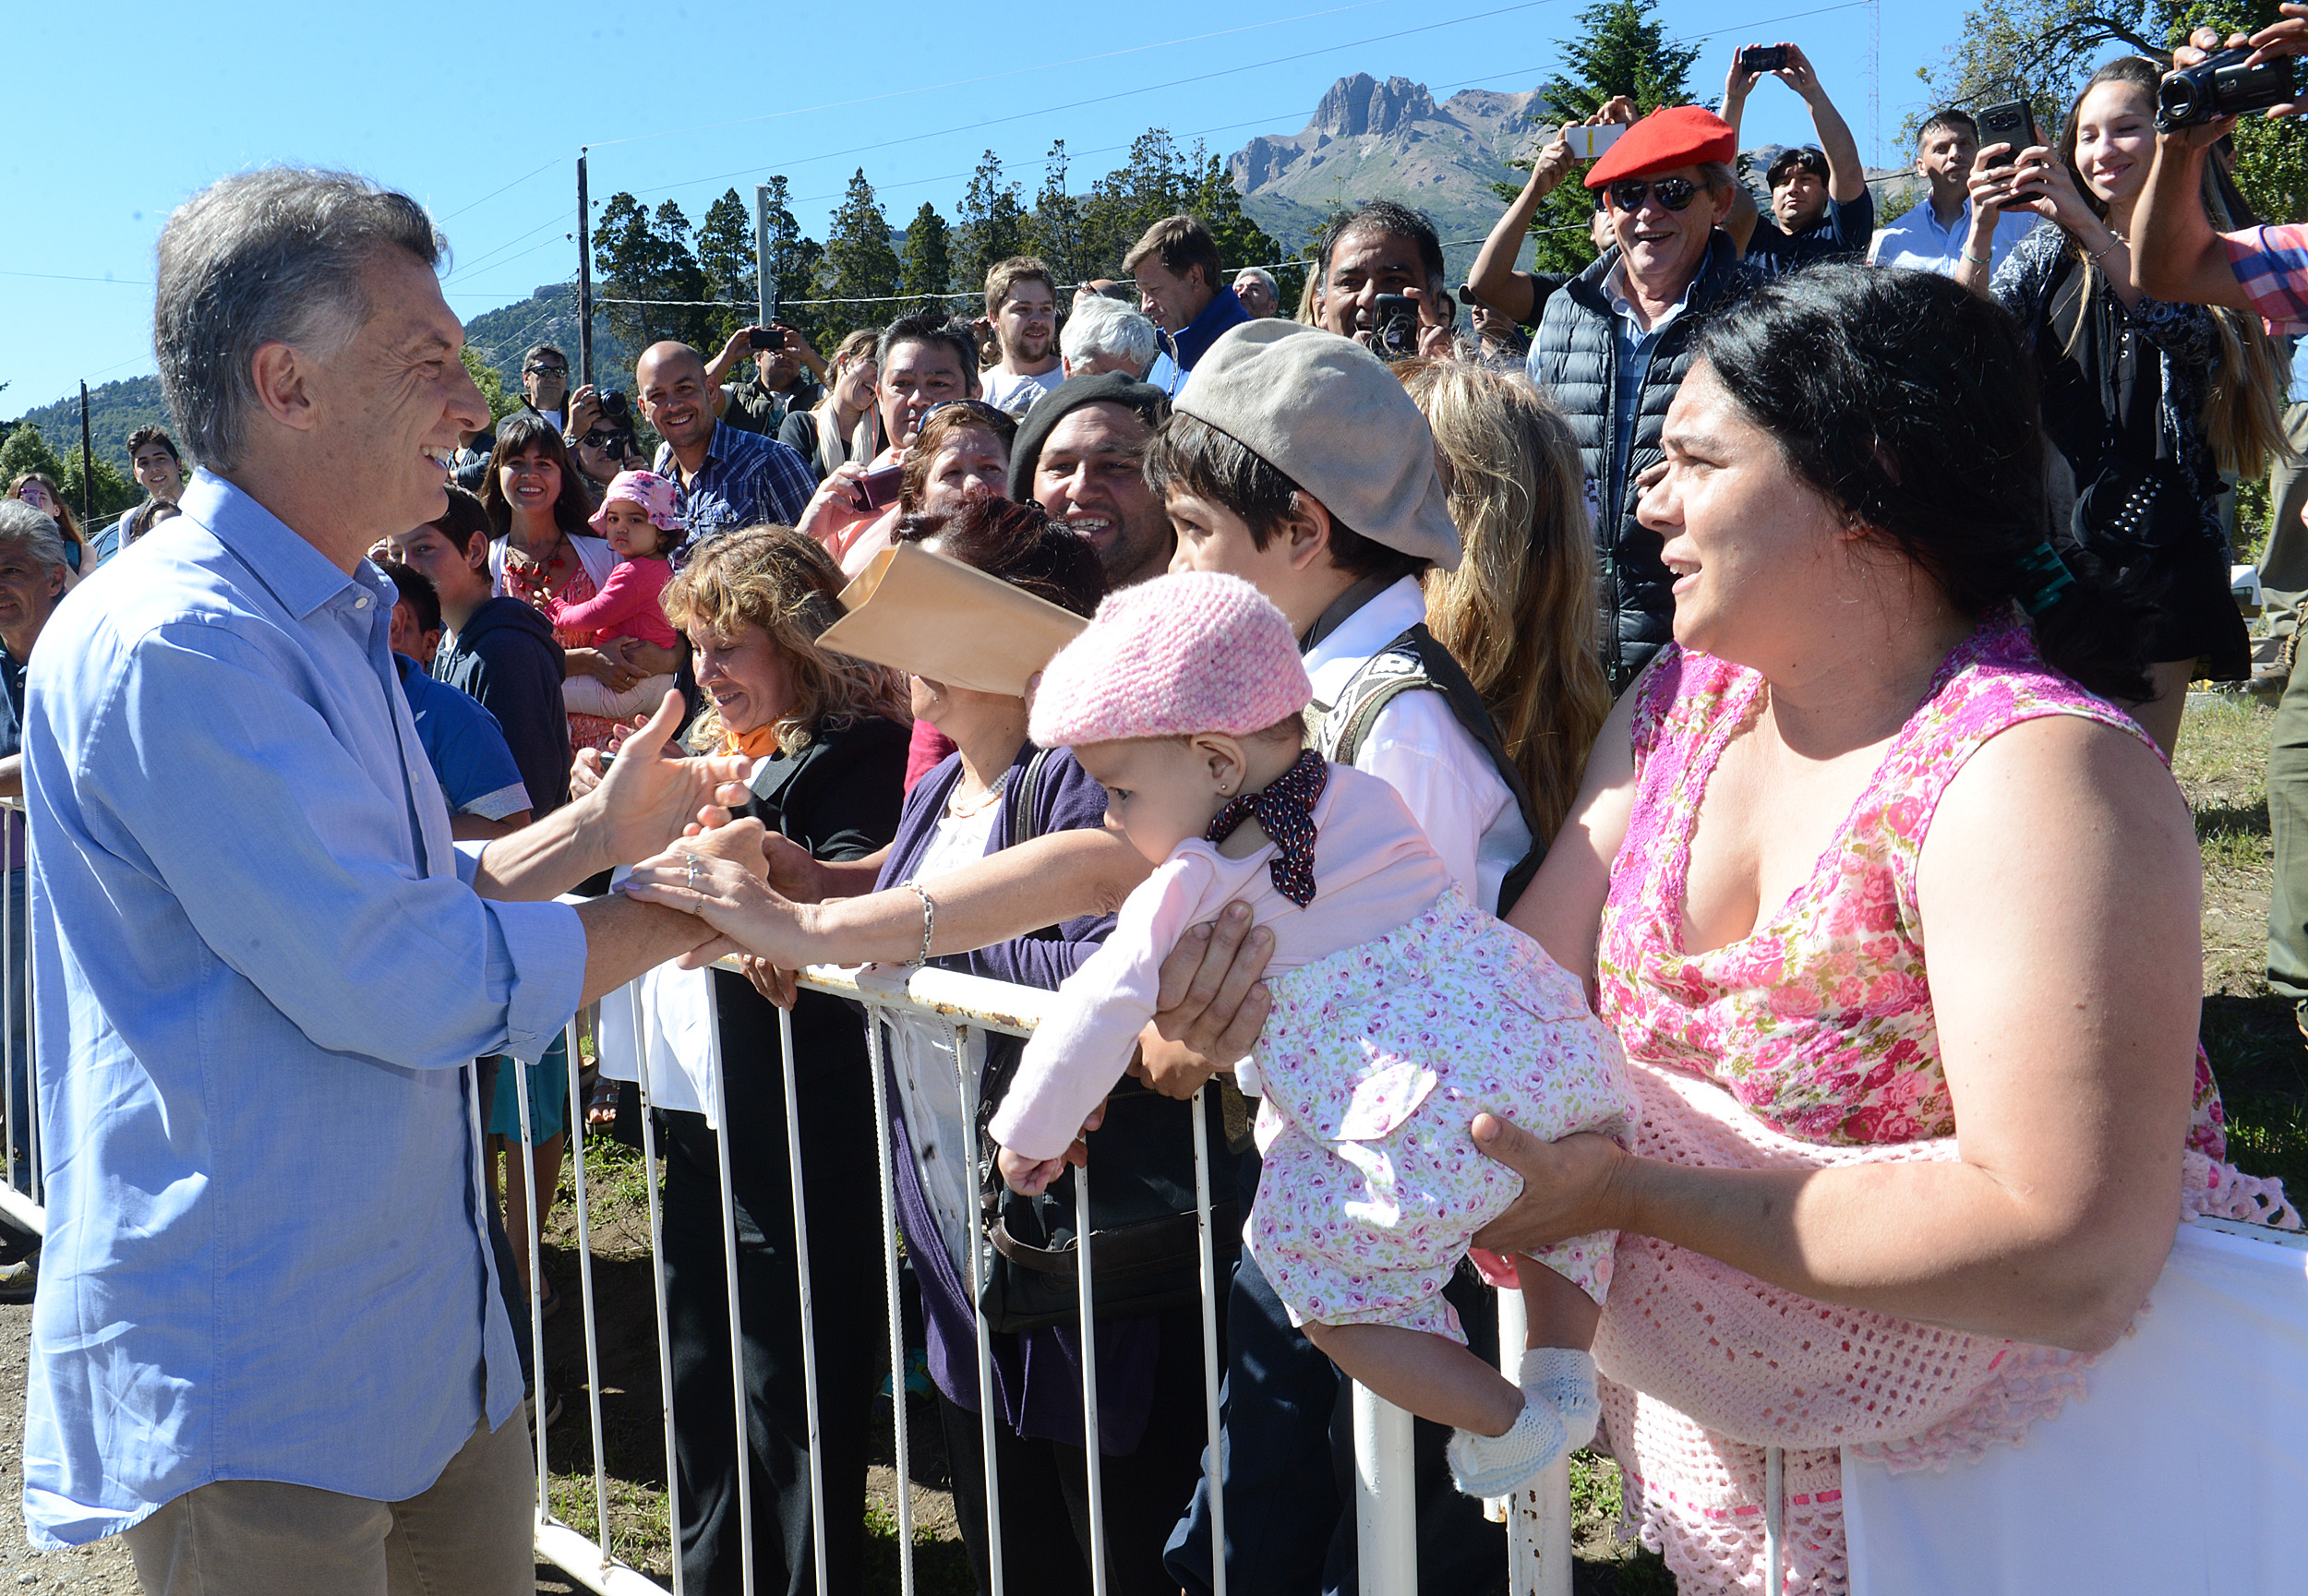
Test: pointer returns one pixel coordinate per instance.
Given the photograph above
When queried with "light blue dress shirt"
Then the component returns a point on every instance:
(263, 977)
(1918, 241)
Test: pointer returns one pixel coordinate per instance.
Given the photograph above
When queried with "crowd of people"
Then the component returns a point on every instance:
(1506, 769)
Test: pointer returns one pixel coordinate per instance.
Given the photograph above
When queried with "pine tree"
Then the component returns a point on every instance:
(725, 254)
(926, 268)
(992, 224)
(646, 259)
(1622, 48)
(859, 263)
(1241, 241)
(1121, 205)
(1053, 231)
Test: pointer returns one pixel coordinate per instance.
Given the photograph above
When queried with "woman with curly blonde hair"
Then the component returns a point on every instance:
(1519, 614)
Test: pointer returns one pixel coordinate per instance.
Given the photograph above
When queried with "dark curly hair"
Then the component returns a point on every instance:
(1910, 403)
(1019, 544)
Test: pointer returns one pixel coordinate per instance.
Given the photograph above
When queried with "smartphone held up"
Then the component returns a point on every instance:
(1589, 142)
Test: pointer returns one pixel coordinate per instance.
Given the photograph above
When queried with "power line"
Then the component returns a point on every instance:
(987, 77)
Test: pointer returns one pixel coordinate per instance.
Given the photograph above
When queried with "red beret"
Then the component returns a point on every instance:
(1669, 138)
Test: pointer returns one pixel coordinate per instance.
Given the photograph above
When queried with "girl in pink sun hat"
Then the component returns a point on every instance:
(637, 518)
(1400, 1012)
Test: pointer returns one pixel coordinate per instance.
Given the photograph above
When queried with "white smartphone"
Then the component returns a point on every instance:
(1587, 143)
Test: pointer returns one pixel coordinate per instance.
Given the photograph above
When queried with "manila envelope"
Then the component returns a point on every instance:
(930, 615)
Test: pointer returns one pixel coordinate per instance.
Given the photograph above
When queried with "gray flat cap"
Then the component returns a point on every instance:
(1327, 414)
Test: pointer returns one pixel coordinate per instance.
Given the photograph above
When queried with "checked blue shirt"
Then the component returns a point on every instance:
(2272, 264)
(747, 480)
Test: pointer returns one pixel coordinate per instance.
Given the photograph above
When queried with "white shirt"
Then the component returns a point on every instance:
(1417, 747)
(929, 1080)
(1918, 241)
(1016, 394)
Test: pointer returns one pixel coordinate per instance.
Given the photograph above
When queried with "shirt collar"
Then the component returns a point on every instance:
(299, 575)
(1623, 305)
(1332, 662)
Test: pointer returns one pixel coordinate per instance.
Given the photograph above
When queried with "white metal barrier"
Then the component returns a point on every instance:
(1538, 1520)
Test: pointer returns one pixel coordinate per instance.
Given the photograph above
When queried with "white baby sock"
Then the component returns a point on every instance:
(1563, 1377)
(1493, 1465)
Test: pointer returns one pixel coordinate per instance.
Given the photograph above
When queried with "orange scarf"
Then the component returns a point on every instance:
(758, 743)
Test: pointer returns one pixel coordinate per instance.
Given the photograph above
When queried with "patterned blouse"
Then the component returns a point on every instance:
(2183, 337)
(1820, 1020)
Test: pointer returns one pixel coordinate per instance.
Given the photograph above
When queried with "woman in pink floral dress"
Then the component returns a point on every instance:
(1883, 727)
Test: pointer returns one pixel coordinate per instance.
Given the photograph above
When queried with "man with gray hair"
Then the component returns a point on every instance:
(1256, 287)
(33, 572)
(271, 1350)
(1102, 335)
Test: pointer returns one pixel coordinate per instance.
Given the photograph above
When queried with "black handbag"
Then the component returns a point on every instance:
(1146, 1256)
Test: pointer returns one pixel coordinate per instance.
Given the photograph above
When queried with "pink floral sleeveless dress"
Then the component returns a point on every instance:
(1818, 1022)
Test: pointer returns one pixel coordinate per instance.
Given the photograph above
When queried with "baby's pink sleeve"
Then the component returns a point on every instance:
(1078, 1052)
(626, 593)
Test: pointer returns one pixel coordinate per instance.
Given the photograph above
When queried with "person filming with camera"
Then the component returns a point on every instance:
(2147, 400)
(1820, 205)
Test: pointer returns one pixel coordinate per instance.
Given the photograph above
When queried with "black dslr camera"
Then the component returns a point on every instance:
(617, 410)
(2222, 85)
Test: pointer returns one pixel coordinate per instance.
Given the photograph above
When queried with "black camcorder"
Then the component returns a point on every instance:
(2222, 85)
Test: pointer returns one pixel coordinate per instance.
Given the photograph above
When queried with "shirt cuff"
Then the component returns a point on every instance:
(496, 806)
(544, 946)
(468, 852)
(1247, 1080)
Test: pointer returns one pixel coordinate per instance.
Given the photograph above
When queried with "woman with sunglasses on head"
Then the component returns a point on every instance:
(2146, 402)
(1615, 341)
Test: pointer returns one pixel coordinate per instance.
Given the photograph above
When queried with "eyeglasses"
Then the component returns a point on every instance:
(1675, 192)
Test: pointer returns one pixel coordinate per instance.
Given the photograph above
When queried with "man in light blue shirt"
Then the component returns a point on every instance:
(1931, 236)
(268, 1345)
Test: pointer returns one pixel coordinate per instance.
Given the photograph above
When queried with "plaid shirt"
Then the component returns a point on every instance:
(2272, 264)
(747, 480)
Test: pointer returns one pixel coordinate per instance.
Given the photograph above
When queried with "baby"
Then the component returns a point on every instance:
(1400, 1012)
(636, 514)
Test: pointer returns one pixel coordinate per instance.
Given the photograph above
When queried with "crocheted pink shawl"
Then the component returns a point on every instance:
(1809, 1044)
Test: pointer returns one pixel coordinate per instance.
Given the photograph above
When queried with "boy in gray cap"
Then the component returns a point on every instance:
(1294, 460)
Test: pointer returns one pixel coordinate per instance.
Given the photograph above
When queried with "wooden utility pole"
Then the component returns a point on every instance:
(87, 457)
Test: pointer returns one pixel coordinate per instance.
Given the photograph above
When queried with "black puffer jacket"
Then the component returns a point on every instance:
(1575, 357)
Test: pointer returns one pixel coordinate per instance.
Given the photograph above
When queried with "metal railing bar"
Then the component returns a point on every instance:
(535, 1239)
(719, 1084)
(808, 1311)
(585, 1290)
(896, 1305)
(1207, 1237)
(1385, 1497)
(987, 1418)
(657, 1276)
(1089, 1340)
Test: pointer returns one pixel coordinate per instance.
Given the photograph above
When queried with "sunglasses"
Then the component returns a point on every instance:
(615, 442)
(1628, 193)
(974, 406)
(547, 370)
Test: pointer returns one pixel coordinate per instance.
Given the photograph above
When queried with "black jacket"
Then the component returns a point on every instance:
(1575, 357)
(505, 657)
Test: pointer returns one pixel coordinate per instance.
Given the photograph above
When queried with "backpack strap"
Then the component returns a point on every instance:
(1415, 662)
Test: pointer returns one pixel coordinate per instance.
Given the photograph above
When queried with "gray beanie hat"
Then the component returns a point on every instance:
(1325, 412)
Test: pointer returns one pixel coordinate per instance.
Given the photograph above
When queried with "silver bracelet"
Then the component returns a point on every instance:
(2114, 239)
(929, 921)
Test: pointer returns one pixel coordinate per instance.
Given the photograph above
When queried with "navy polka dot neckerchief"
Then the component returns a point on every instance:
(1286, 810)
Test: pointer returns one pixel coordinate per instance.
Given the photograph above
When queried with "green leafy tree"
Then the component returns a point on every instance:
(725, 254)
(110, 492)
(492, 386)
(859, 263)
(27, 451)
(1152, 184)
(2049, 48)
(991, 224)
(926, 268)
(1621, 48)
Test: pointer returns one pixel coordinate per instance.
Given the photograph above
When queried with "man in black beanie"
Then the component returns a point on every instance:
(1079, 453)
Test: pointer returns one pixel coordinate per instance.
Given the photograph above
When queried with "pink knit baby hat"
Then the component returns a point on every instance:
(1191, 653)
(653, 493)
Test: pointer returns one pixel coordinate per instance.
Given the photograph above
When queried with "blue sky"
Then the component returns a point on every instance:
(117, 113)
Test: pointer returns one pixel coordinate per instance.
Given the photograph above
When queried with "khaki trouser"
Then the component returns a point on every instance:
(2284, 563)
(468, 1534)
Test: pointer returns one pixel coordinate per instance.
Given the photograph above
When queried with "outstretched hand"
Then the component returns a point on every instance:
(1031, 1177)
(653, 791)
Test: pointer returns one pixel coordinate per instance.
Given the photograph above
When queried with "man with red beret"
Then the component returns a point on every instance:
(1613, 343)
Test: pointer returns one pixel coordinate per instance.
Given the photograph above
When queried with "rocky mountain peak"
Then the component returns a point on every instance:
(1362, 104)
